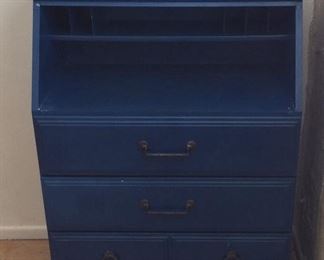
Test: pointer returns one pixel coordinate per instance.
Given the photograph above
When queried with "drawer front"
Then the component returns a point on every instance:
(95, 246)
(99, 204)
(231, 248)
(108, 247)
(219, 150)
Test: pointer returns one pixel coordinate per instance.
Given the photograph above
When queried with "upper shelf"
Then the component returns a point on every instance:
(159, 2)
(166, 38)
(167, 24)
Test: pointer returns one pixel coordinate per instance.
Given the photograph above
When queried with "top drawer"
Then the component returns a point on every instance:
(227, 147)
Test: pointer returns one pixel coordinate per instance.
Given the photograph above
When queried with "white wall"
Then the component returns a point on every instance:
(21, 208)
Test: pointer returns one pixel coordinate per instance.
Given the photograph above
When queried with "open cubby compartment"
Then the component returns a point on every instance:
(169, 78)
(58, 20)
(92, 62)
(168, 21)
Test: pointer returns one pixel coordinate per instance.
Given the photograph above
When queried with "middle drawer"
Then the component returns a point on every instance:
(211, 205)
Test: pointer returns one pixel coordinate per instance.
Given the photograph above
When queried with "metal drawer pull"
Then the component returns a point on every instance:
(145, 148)
(109, 256)
(145, 205)
(232, 255)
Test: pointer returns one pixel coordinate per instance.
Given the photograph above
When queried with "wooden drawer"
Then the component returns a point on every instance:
(211, 205)
(225, 147)
(211, 247)
(94, 246)
(108, 247)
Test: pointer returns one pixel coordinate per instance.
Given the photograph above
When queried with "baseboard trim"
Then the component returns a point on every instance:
(23, 232)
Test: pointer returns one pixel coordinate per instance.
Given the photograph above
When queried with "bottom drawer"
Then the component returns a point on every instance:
(213, 247)
(94, 246)
(108, 247)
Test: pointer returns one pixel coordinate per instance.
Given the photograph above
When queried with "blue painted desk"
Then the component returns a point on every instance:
(168, 130)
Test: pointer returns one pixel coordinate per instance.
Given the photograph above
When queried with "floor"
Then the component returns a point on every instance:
(24, 250)
(28, 250)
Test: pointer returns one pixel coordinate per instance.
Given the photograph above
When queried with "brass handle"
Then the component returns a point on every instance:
(232, 255)
(110, 256)
(145, 205)
(145, 149)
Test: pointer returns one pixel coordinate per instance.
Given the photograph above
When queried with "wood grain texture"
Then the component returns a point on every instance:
(24, 249)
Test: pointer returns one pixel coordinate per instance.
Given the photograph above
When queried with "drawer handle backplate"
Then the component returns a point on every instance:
(110, 256)
(232, 255)
(145, 149)
(146, 206)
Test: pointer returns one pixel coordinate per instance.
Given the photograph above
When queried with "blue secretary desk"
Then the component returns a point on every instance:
(168, 130)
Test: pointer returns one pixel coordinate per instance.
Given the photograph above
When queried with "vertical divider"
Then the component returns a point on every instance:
(80, 20)
(246, 20)
(92, 18)
(299, 101)
(268, 21)
(70, 18)
(224, 21)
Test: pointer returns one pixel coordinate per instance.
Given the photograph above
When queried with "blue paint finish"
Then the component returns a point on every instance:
(36, 54)
(222, 150)
(299, 58)
(225, 74)
(94, 246)
(220, 205)
(130, 246)
(174, 3)
(106, 59)
(210, 247)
